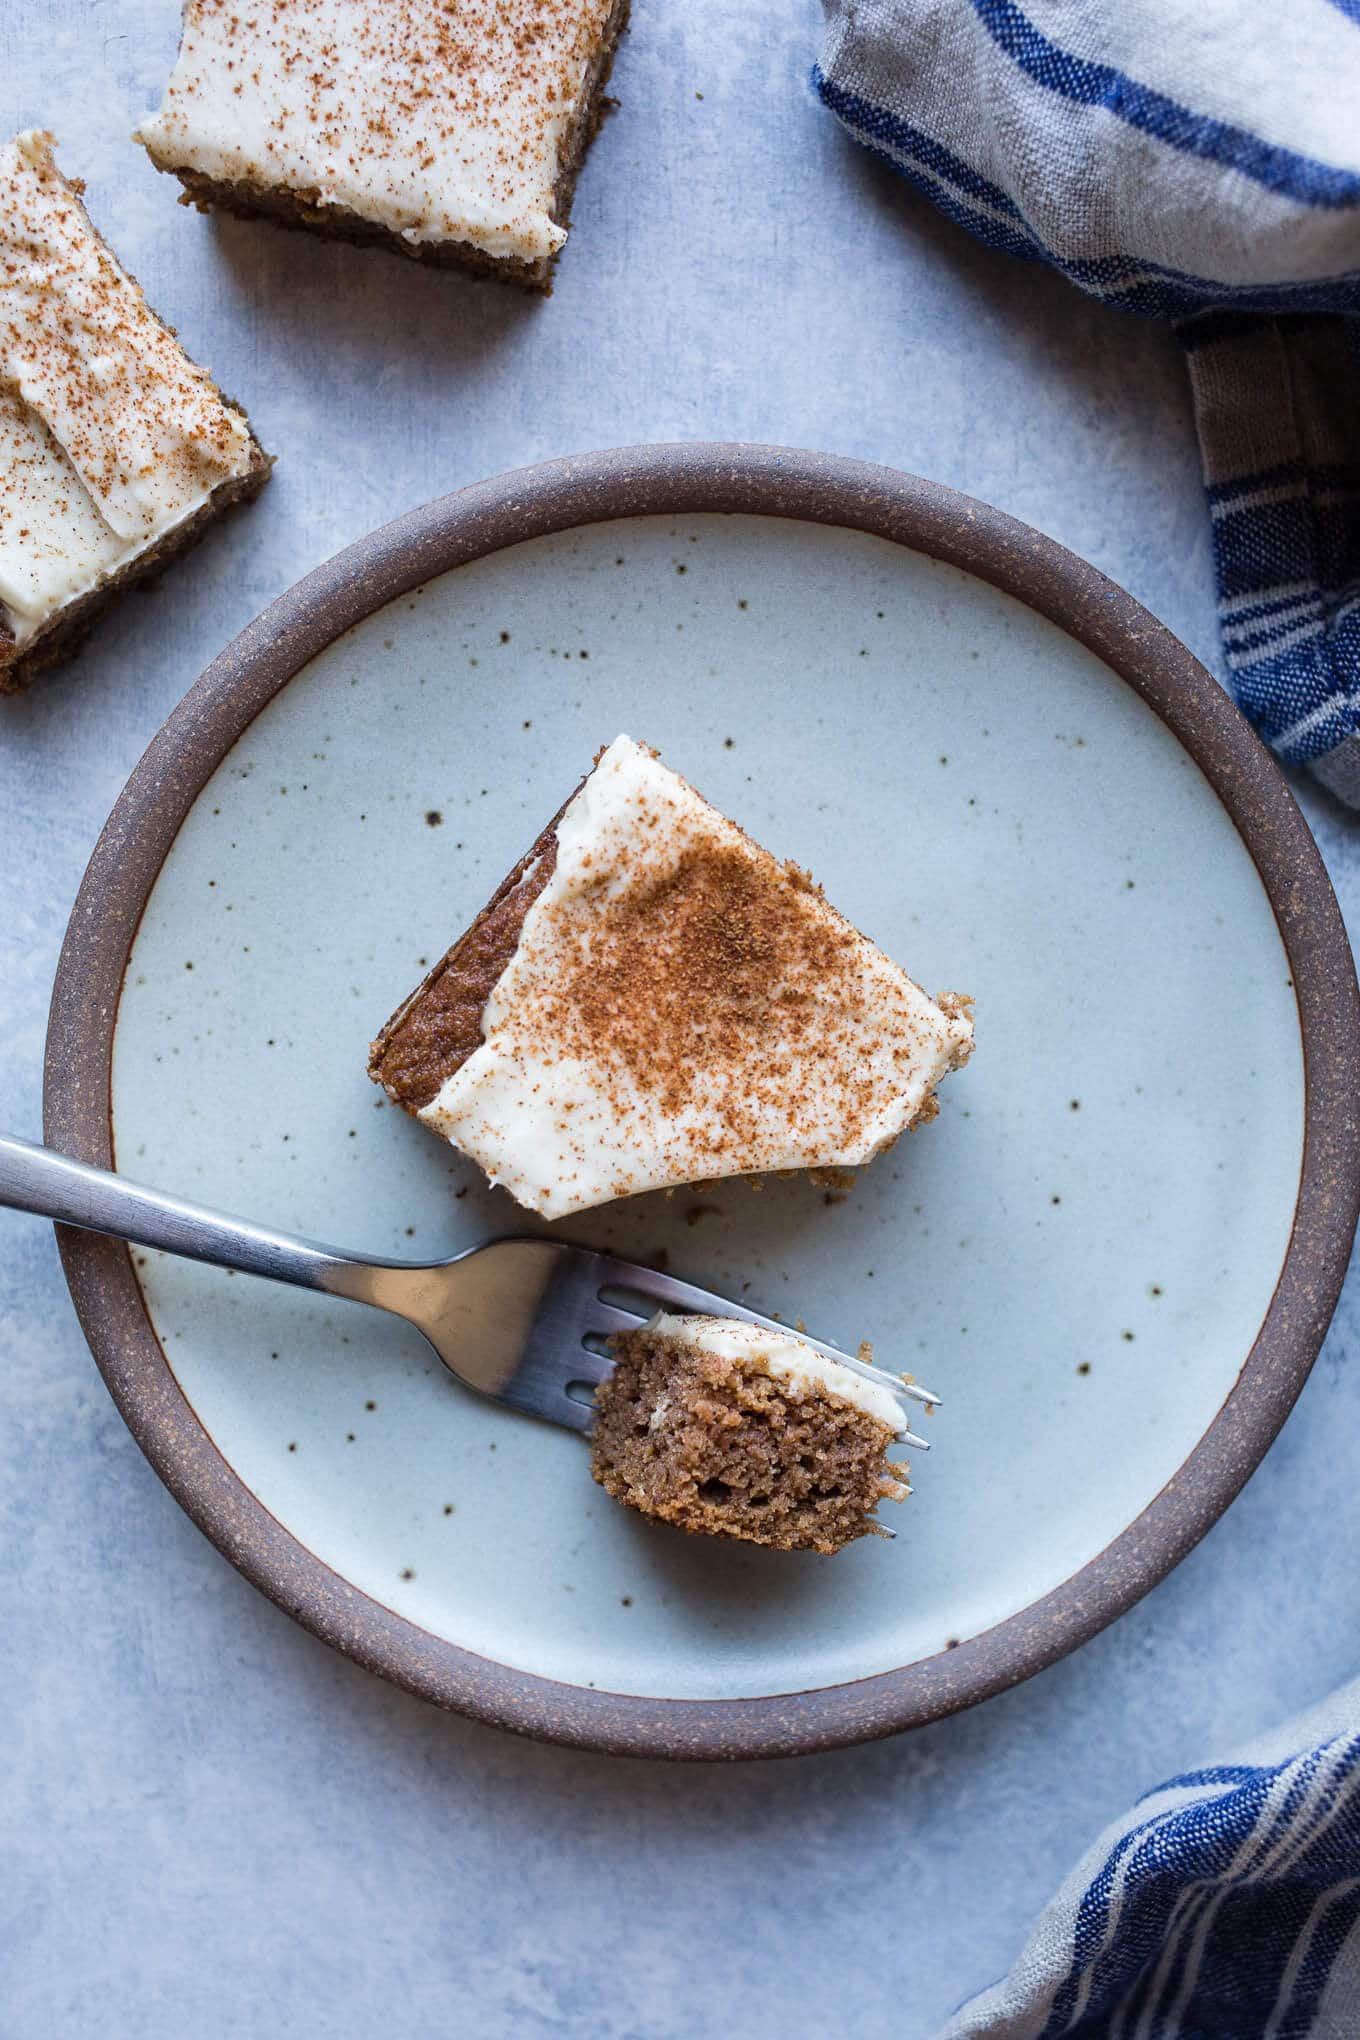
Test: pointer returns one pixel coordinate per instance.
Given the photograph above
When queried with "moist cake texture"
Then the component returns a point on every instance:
(651, 999)
(452, 130)
(729, 1430)
(115, 448)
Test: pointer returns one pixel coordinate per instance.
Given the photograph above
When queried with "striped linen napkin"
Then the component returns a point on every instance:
(1192, 160)
(1223, 1906)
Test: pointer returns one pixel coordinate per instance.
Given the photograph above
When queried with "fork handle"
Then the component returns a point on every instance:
(53, 1186)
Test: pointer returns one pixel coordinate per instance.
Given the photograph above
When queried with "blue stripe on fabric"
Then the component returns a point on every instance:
(1336, 541)
(1291, 175)
(1309, 680)
(1255, 627)
(1246, 1955)
(1261, 640)
(1114, 1968)
(1165, 295)
(1145, 1999)
(1232, 1933)
(1327, 1848)
(1212, 1774)
(1090, 1925)
(1248, 544)
(1329, 1938)
(880, 125)
(1209, 1831)
(1231, 1974)
(1298, 538)
(1350, 8)
(1243, 622)
(1259, 478)
(1164, 1908)
(882, 132)
(1341, 475)
(1128, 282)
(1255, 1984)
(1289, 657)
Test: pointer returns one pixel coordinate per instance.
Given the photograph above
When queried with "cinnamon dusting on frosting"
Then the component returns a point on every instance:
(109, 434)
(682, 1006)
(712, 971)
(440, 119)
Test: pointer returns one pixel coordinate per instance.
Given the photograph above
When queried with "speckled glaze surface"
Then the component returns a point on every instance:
(1082, 1253)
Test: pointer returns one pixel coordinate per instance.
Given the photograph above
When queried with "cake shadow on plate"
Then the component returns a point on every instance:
(751, 1238)
(722, 1583)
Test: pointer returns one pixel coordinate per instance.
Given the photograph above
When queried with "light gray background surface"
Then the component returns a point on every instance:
(210, 1823)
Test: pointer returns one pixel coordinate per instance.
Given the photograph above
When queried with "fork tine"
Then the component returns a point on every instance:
(591, 1367)
(605, 1318)
(665, 1290)
(919, 1394)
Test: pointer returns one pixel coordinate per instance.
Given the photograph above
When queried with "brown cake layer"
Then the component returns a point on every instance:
(67, 628)
(433, 1033)
(719, 1447)
(293, 208)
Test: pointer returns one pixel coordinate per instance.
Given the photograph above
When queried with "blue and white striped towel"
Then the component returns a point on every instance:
(1223, 1906)
(1195, 160)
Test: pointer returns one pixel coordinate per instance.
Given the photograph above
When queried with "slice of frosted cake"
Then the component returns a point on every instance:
(449, 130)
(651, 999)
(730, 1430)
(116, 450)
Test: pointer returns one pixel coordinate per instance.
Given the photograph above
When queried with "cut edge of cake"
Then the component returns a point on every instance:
(722, 1428)
(438, 1019)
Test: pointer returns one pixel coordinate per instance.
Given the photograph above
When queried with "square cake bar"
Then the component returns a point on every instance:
(450, 130)
(116, 450)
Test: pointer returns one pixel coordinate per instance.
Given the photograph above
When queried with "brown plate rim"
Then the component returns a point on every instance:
(685, 479)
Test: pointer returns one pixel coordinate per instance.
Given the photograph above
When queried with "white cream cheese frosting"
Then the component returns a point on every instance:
(794, 1363)
(680, 1007)
(110, 436)
(441, 120)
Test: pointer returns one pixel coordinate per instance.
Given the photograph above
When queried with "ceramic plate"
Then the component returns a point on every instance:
(1114, 1254)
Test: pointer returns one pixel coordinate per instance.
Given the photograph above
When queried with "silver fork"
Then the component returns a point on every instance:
(523, 1321)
